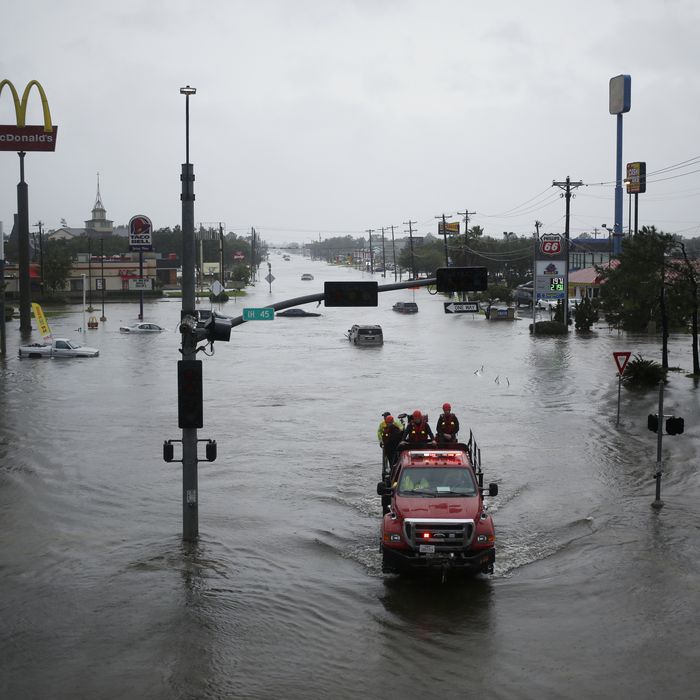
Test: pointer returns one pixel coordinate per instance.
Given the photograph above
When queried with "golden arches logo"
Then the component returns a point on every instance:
(21, 104)
(23, 137)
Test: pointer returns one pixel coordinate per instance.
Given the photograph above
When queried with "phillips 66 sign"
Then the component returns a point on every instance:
(140, 233)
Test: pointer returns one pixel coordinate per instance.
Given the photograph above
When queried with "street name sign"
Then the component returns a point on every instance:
(264, 314)
(461, 307)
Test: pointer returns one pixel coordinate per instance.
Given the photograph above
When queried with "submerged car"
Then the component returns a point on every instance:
(295, 313)
(142, 327)
(406, 307)
(366, 335)
(306, 277)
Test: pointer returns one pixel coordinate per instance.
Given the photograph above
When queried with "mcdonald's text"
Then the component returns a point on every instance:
(27, 138)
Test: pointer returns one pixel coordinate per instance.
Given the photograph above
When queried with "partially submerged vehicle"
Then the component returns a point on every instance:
(142, 327)
(406, 307)
(435, 518)
(365, 335)
(59, 347)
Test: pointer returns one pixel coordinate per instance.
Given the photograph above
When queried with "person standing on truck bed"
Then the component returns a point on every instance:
(418, 430)
(447, 425)
(391, 437)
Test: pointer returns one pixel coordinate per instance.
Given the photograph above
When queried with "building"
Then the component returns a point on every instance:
(99, 225)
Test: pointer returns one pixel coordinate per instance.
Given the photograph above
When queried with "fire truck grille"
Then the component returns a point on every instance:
(447, 535)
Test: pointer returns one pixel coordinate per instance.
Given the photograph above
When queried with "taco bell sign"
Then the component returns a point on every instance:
(140, 233)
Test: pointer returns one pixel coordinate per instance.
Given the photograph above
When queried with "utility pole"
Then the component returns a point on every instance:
(410, 223)
(39, 224)
(383, 255)
(444, 235)
(567, 185)
(466, 214)
(393, 250)
(371, 255)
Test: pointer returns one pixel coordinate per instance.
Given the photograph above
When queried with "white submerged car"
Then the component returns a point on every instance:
(142, 327)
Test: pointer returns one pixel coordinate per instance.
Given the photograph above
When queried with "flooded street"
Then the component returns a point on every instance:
(594, 592)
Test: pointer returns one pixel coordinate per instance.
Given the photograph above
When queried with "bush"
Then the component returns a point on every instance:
(643, 373)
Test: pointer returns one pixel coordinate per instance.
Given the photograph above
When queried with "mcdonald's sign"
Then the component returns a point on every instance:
(22, 136)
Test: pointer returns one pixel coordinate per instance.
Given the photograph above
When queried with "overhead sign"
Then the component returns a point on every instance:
(461, 279)
(461, 307)
(140, 233)
(252, 314)
(636, 180)
(23, 137)
(621, 359)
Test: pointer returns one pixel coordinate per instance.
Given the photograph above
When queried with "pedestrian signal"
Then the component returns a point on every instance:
(675, 426)
(653, 422)
(350, 294)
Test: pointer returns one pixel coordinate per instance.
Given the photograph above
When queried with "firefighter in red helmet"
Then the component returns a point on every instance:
(418, 429)
(447, 425)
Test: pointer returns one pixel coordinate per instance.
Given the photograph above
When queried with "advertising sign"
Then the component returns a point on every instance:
(450, 227)
(138, 283)
(636, 180)
(140, 233)
(23, 137)
(550, 267)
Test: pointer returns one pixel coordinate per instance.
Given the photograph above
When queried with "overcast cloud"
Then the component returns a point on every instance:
(329, 116)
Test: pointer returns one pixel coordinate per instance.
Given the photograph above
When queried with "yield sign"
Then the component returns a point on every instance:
(621, 360)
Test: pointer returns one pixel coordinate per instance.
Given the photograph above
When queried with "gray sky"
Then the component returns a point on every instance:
(336, 116)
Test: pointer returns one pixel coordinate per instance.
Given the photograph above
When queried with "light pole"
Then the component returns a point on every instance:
(190, 506)
(102, 274)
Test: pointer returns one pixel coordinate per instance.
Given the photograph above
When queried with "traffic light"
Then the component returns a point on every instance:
(675, 426)
(350, 294)
(217, 328)
(462, 279)
(189, 394)
(653, 422)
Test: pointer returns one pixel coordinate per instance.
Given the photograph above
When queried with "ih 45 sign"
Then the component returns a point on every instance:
(551, 244)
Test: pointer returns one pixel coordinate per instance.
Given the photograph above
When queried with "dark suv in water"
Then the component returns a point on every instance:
(522, 296)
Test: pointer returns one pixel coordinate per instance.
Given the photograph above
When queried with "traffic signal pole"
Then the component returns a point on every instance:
(658, 503)
(190, 505)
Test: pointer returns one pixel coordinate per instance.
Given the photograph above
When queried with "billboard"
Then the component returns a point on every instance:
(636, 180)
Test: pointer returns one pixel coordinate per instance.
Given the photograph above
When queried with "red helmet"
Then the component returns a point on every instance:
(389, 419)
(446, 407)
(417, 415)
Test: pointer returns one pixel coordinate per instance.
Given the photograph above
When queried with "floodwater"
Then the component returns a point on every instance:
(595, 594)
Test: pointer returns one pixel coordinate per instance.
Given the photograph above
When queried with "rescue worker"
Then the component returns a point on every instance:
(381, 427)
(391, 437)
(418, 429)
(447, 425)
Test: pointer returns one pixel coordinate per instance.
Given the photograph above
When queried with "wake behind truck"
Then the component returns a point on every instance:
(435, 518)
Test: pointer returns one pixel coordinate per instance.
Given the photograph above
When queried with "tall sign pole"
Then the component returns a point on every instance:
(23, 137)
(140, 239)
(620, 97)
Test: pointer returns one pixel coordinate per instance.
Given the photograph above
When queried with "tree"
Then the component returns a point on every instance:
(631, 293)
(688, 274)
(57, 264)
